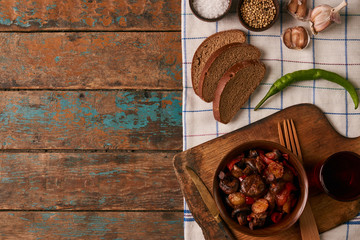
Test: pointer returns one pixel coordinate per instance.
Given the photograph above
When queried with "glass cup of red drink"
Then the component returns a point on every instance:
(338, 176)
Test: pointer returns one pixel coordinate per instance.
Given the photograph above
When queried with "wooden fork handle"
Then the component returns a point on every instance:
(308, 226)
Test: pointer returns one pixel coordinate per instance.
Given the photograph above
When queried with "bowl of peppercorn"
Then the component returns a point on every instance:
(257, 15)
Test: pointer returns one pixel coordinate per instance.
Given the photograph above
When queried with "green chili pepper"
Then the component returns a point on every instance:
(310, 74)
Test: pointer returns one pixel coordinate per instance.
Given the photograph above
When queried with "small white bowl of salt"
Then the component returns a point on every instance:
(210, 10)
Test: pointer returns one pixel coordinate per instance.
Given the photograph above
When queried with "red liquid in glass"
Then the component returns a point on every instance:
(340, 176)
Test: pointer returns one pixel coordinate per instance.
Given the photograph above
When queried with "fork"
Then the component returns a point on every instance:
(290, 140)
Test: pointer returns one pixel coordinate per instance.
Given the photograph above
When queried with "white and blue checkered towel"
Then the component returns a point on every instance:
(336, 49)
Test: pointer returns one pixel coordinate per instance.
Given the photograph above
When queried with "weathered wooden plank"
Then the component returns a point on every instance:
(91, 120)
(30, 15)
(88, 181)
(91, 225)
(90, 60)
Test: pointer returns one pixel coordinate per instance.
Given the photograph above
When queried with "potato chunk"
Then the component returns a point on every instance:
(277, 169)
(260, 206)
(236, 198)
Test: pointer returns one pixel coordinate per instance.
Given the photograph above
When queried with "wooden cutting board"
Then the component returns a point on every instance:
(318, 140)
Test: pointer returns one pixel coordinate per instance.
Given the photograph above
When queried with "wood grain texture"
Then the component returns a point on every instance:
(91, 225)
(90, 60)
(83, 181)
(30, 15)
(91, 120)
(312, 128)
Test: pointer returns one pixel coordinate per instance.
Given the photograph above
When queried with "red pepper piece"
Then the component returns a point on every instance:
(290, 186)
(231, 164)
(293, 202)
(249, 200)
(286, 156)
(282, 197)
(271, 212)
(290, 167)
(260, 151)
(271, 155)
(265, 159)
(242, 178)
(276, 217)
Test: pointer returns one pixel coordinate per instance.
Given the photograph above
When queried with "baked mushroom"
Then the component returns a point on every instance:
(253, 186)
(237, 171)
(260, 165)
(258, 220)
(251, 163)
(241, 214)
(253, 154)
(288, 175)
(270, 197)
(277, 186)
(228, 184)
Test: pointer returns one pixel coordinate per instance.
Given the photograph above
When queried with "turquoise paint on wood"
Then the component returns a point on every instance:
(35, 14)
(47, 216)
(56, 119)
(51, 6)
(90, 60)
(92, 225)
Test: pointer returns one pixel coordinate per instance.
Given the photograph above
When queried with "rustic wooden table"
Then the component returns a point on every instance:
(90, 119)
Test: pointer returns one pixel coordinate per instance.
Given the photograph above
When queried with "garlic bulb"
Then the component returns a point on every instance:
(324, 15)
(298, 9)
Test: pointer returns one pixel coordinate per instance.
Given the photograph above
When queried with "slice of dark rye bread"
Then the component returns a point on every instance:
(209, 46)
(219, 62)
(235, 88)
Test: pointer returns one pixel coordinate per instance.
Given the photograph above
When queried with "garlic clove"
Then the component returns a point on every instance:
(302, 10)
(302, 37)
(324, 15)
(318, 10)
(319, 26)
(295, 38)
(293, 6)
(287, 38)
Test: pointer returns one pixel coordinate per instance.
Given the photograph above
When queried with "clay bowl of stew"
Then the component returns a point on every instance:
(276, 203)
(259, 17)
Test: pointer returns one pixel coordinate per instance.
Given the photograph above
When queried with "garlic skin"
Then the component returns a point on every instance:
(296, 38)
(298, 9)
(323, 16)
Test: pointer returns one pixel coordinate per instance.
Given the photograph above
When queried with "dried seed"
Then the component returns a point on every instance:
(258, 13)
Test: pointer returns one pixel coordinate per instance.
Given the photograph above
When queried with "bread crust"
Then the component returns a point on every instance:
(214, 56)
(202, 47)
(225, 79)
